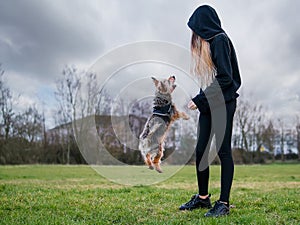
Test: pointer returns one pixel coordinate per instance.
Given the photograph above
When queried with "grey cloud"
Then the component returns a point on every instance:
(38, 37)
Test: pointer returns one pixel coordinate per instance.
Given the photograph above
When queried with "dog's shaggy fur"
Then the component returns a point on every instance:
(155, 131)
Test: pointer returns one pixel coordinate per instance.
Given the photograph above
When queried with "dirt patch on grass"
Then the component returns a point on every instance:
(63, 184)
(85, 184)
(247, 185)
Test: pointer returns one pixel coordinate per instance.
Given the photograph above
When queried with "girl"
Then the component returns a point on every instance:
(215, 64)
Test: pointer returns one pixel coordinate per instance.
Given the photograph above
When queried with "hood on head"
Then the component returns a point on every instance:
(205, 22)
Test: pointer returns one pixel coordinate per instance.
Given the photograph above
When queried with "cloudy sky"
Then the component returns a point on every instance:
(39, 37)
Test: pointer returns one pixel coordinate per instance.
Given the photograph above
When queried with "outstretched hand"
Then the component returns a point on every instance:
(192, 105)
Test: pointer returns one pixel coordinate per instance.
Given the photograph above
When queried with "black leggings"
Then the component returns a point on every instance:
(221, 126)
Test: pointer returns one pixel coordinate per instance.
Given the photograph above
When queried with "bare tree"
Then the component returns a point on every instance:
(29, 125)
(298, 135)
(281, 126)
(257, 126)
(6, 107)
(78, 95)
(103, 105)
(93, 93)
(249, 124)
(268, 137)
(242, 121)
(67, 95)
(68, 89)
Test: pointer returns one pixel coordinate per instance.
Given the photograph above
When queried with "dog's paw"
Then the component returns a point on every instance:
(185, 116)
(158, 169)
(151, 167)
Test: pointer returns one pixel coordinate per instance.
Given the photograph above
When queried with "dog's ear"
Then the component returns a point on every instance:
(155, 81)
(173, 86)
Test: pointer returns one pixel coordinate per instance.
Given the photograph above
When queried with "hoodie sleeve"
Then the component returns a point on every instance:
(220, 51)
(201, 102)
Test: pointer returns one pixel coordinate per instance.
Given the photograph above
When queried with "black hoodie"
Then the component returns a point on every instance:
(206, 23)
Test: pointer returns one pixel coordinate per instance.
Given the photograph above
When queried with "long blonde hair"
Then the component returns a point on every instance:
(202, 65)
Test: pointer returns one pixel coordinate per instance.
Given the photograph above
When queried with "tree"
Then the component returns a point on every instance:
(103, 106)
(281, 125)
(29, 125)
(67, 96)
(6, 104)
(257, 127)
(249, 123)
(68, 89)
(78, 95)
(268, 137)
(257, 124)
(93, 97)
(298, 135)
(243, 123)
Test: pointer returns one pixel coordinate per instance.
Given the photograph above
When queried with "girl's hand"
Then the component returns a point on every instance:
(192, 105)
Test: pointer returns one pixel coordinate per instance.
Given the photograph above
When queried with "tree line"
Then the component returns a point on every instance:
(24, 137)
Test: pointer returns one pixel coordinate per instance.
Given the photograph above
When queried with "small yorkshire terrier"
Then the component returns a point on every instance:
(151, 140)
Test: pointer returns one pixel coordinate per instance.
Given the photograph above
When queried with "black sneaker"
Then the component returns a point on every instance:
(196, 202)
(219, 209)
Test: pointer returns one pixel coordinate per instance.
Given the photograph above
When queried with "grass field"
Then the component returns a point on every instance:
(46, 194)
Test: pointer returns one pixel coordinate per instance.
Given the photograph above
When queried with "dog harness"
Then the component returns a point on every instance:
(163, 110)
(162, 106)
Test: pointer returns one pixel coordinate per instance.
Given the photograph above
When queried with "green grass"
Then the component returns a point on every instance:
(46, 194)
